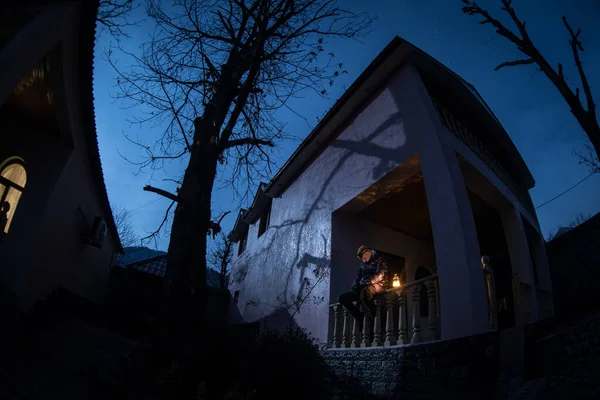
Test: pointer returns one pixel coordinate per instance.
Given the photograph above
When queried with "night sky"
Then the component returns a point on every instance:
(526, 103)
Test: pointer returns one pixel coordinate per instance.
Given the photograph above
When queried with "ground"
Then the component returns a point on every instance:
(70, 360)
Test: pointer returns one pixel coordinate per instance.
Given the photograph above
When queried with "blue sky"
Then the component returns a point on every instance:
(531, 110)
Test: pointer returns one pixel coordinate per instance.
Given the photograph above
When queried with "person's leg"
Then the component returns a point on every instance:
(367, 295)
(347, 300)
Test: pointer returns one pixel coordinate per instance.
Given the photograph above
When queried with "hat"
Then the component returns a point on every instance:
(362, 249)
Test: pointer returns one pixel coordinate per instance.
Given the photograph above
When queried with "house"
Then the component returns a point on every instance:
(410, 161)
(136, 293)
(57, 225)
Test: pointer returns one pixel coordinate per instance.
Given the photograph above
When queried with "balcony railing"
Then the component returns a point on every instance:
(395, 308)
(459, 129)
(399, 320)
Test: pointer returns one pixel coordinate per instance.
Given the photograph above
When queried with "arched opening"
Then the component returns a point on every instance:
(422, 273)
(13, 179)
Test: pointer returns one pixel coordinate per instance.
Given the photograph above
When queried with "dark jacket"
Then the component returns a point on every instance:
(375, 268)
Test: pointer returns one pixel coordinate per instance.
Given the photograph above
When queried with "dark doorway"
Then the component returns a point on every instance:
(492, 243)
(396, 265)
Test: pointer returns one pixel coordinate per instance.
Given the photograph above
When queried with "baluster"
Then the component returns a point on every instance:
(431, 297)
(390, 329)
(402, 330)
(377, 338)
(356, 333)
(416, 295)
(367, 333)
(347, 335)
(488, 274)
(337, 335)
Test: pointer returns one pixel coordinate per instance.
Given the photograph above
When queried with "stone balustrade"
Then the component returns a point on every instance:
(395, 308)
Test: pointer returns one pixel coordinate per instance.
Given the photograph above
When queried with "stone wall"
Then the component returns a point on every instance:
(575, 269)
(567, 343)
(465, 368)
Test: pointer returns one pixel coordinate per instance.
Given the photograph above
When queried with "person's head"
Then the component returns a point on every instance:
(364, 254)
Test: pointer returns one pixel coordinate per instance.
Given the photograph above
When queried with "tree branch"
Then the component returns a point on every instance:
(161, 192)
(153, 234)
(246, 141)
(215, 227)
(514, 63)
(576, 47)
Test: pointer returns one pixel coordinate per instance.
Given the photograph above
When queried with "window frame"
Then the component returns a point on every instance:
(10, 185)
(243, 243)
(265, 219)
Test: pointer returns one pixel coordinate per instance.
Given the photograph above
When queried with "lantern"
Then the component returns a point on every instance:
(396, 281)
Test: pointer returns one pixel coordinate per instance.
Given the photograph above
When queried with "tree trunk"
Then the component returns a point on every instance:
(185, 286)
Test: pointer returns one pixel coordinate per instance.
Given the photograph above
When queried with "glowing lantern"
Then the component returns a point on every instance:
(396, 281)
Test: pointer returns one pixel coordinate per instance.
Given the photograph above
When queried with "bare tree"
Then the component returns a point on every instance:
(115, 15)
(220, 257)
(125, 229)
(580, 218)
(586, 118)
(213, 75)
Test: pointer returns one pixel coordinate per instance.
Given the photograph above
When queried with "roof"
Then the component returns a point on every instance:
(87, 36)
(137, 253)
(157, 266)
(239, 227)
(395, 54)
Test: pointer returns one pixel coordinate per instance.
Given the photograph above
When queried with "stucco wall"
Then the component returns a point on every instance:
(297, 245)
(44, 246)
(64, 259)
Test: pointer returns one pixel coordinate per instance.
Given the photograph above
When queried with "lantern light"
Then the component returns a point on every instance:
(396, 281)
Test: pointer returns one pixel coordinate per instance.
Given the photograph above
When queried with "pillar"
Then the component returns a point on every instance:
(520, 257)
(463, 298)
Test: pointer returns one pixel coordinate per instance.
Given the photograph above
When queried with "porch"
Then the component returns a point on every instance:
(410, 313)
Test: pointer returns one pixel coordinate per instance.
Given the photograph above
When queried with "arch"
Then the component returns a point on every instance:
(421, 273)
(13, 178)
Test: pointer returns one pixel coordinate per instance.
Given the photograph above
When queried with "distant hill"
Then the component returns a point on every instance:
(135, 254)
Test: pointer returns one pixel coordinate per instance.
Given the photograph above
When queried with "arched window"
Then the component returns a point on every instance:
(421, 273)
(13, 178)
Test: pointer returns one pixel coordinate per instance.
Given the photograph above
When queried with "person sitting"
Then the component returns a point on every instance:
(370, 280)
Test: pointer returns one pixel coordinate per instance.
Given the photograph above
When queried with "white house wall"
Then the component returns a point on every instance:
(297, 245)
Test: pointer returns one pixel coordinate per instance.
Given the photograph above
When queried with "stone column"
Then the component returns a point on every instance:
(356, 333)
(337, 333)
(520, 257)
(402, 329)
(390, 328)
(377, 337)
(462, 297)
(431, 297)
(347, 334)
(416, 311)
(367, 332)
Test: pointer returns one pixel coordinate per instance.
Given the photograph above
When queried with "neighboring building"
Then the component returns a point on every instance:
(137, 293)
(137, 253)
(58, 230)
(412, 162)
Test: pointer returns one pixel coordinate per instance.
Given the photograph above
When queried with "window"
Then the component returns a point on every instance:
(265, 219)
(243, 241)
(12, 183)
